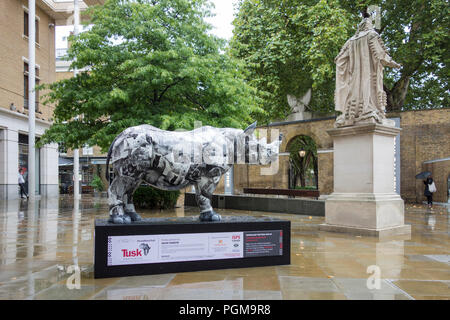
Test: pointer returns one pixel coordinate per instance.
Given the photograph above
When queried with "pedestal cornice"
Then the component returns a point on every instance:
(371, 128)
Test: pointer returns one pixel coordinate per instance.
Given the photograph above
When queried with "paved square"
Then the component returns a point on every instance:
(41, 243)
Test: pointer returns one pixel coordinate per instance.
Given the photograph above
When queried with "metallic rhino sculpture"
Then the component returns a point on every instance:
(173, 160)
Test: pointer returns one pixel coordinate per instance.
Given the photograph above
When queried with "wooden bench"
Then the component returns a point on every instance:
(84, 189)
(285, 192)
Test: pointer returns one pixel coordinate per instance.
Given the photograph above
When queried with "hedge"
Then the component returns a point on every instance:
(147, 197)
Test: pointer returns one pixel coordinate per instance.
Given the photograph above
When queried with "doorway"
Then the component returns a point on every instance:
(303, 168)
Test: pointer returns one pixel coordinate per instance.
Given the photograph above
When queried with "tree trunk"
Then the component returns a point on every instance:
(397, 95)
(316, 173)
(302, 179)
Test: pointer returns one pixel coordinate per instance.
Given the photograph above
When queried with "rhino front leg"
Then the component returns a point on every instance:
(204, 190)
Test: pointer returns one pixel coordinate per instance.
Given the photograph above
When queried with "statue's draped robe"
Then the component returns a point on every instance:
(359, 91)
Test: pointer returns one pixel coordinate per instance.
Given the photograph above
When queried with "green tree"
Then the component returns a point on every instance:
(152, 62)
(289, 46)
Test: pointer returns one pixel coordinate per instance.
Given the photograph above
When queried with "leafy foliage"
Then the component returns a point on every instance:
(289, 46)
(148, 197)
(97, 183)
(417, 33)
(152, 62)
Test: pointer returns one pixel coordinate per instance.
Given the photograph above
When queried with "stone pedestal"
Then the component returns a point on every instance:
(170, 245)
(364, 199)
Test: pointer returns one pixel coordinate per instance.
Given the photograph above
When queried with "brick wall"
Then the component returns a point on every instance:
(97, 152)
(325, 167)
(441, 177)
(425, 136)
(63, 75)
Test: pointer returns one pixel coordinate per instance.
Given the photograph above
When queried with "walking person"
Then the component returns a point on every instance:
(22, 186)
(430, 188)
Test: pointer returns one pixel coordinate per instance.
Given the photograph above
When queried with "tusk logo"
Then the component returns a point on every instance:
(145, 247)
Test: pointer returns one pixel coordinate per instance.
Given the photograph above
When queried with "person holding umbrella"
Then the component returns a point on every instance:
(430, 187)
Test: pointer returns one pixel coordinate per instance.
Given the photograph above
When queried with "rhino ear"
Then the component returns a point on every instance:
(250, 128)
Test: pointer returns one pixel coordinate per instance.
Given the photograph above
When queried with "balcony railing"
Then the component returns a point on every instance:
(61, 53)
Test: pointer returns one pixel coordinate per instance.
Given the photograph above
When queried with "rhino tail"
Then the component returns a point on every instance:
(108, 158)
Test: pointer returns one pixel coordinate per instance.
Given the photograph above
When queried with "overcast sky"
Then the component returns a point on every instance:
(224, 16)
(222, 26)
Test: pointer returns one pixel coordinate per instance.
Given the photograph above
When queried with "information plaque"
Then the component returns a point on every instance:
(164, 245)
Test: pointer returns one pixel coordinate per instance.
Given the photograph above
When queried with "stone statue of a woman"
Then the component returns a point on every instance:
(359, 94)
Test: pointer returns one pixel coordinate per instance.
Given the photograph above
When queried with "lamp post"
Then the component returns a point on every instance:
(76, 154)
(302, 153)
(31, 99)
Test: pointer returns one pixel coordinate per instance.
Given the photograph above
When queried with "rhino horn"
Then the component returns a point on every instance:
(250, 128)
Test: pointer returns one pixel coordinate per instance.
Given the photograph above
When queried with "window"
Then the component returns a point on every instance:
(86, 175)
(36, 23)
(25, 87)
(26, 29)
(25, 23)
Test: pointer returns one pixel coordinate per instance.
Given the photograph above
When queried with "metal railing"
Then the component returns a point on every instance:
(61, 53)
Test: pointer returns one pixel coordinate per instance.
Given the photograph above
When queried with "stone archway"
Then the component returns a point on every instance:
(303, 163)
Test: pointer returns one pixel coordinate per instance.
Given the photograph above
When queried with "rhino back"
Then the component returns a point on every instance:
(166, 142)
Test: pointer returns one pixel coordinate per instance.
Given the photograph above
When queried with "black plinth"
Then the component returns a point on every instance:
(170, 245)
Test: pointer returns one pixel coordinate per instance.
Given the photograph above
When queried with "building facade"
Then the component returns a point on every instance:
(92, 165)
(14, 104)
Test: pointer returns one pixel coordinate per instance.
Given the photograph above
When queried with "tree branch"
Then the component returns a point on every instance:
(155, 96)
(194, 101)
(168, 87)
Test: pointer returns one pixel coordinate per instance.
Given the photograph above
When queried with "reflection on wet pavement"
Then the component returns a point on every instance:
(44, 244)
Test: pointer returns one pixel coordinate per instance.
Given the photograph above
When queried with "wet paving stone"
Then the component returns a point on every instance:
(42, 242)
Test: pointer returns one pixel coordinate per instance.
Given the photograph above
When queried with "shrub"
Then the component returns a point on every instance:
(147, 197)
(97, 184)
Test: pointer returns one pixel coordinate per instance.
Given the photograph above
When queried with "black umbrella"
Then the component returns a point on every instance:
(423, 175)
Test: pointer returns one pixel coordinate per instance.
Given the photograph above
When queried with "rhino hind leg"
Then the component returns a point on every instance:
(130, 211)
(210, 215)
